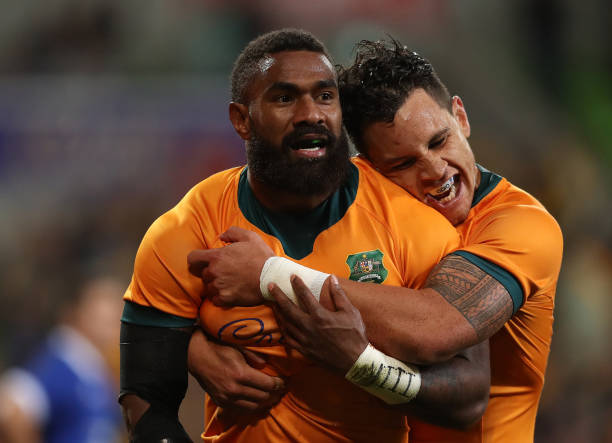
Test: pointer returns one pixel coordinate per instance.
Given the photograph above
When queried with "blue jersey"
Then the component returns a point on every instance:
(77, 396)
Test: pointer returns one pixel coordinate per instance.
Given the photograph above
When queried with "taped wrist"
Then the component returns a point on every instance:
(389, 379)
(154, 366)
(279, 270)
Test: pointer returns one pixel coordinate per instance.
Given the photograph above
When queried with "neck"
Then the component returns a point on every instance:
(278, 200)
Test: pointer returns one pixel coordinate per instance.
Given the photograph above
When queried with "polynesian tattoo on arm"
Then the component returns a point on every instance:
(480, 298)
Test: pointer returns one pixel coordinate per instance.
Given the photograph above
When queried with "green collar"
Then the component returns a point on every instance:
(297, 233)
(488, 181)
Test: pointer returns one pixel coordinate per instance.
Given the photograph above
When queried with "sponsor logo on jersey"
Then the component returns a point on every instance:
(367, 266)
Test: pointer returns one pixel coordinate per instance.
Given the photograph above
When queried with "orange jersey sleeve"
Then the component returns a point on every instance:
(516, 233)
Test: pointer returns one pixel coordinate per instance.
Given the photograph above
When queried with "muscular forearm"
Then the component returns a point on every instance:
(460, 306)
(454, 393)
(417, 326)
(450, 394)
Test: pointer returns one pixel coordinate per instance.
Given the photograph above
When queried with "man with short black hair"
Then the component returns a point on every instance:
(500, 283)
(315, 206)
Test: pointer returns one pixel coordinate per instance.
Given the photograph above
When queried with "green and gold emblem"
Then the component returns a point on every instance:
(367, 266)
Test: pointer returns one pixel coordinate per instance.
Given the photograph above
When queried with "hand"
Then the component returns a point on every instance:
(223, 372)
(332, 337)
(231, 273)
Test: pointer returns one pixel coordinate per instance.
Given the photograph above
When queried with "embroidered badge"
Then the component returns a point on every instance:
(367, 266)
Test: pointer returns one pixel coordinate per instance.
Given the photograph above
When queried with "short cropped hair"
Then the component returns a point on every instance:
(246, 65)
(379, 81)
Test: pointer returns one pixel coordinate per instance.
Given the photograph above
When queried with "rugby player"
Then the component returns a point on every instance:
(403, 120)
(66, 390)
(304, 197)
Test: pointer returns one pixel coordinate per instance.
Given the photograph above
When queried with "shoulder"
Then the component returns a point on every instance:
(421, 234)
(202, 203)
(396, 205)
(161, 278)
(514, 231)
(210, 193)
(516, 216)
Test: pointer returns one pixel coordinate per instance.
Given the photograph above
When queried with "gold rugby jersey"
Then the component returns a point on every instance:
(511, 236)
(368, 230)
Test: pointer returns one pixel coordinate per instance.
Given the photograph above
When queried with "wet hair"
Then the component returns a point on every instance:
(379, 81)
(246, 65)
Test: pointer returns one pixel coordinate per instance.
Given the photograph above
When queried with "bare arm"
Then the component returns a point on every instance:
(453, 393)
(460, 306)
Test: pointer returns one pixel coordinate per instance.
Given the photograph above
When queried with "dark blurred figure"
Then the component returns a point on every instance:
(67, 391)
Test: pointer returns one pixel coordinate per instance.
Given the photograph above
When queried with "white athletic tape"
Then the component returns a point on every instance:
(279, 270)
(387, 378)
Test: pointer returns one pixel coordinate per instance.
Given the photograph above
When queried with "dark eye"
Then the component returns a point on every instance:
(404, 165)
(438, 142)
(327, 96)
(285, 98)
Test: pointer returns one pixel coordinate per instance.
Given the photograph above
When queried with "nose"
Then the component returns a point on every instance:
(308, 112)
(434, 167)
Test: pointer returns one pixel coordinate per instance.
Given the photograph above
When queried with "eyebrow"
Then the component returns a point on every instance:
(286, 86)
(330, 83)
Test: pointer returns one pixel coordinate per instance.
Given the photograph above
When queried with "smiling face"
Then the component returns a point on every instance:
(292, 123)
(425, 151)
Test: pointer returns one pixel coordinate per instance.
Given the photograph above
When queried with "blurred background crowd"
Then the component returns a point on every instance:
(110, 111)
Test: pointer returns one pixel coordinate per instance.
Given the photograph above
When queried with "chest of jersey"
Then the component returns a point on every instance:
(352, 248)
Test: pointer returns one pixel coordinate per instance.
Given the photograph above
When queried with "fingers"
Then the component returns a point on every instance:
(304, 295)
(250, 394)
(291, 329)
(262, 382)
(253, 358)
(338, 296)
(288, 310)
(236, 234)
(197, 260)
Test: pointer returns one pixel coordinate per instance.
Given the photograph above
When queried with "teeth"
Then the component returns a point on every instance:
(450, 196)
(310, 145)
(444, 188)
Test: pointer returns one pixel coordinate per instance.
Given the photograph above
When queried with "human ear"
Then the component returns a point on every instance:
(461, 116)
(239, 116)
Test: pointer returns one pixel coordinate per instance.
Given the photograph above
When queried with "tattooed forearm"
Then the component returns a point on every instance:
(481, 299)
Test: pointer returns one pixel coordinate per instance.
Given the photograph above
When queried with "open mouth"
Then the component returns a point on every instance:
(447, 191)
(311, 146)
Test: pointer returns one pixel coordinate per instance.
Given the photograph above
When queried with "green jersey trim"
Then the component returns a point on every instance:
(488, 181)
(297, 233)
(506, 279)
(148, 316)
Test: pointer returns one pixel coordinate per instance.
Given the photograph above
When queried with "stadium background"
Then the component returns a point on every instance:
(110, 111)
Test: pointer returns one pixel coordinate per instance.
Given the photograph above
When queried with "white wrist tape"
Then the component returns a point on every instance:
(387, 378)
(279, 270)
